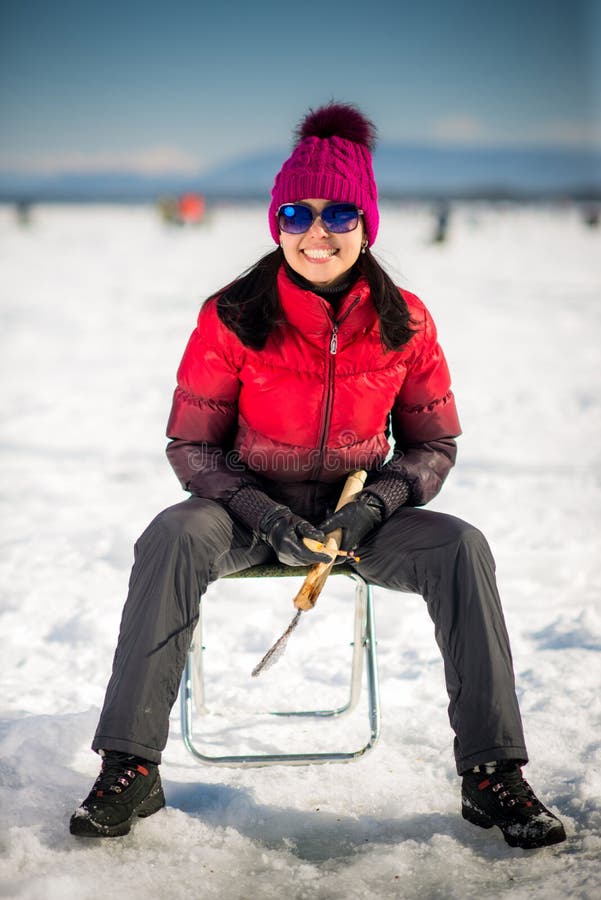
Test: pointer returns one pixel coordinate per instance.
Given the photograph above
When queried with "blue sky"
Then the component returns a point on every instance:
(183, 86)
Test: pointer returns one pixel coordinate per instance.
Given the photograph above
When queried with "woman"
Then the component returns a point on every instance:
(296, 374)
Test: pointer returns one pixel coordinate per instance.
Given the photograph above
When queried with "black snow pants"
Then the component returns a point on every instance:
(445, 560)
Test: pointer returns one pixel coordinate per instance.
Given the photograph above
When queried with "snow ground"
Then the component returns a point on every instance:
(97, 304)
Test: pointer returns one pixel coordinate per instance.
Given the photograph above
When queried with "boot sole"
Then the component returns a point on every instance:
(479, 817)
(476, 817)
(85, 826)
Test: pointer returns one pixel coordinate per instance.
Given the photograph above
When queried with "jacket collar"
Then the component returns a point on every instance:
(312, 315)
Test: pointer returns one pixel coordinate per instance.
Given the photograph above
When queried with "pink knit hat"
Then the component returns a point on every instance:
(331, 160)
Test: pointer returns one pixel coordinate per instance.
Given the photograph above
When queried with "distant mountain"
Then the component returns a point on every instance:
(453, 169)
(423, 170)
(401, 170)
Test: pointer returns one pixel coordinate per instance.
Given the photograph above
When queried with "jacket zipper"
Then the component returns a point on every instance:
(329, 392)
(334, 340)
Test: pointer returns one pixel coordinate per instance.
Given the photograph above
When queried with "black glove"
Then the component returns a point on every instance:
(356, 519)
(284, 531)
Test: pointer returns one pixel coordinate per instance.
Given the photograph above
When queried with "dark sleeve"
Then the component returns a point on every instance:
(207, 470)
(423, 467)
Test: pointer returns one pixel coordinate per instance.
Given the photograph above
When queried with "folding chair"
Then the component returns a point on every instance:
(192, 689)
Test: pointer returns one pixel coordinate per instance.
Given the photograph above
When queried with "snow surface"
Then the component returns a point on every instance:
(97, 304)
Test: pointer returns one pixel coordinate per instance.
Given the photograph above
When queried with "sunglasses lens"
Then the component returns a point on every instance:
(294, 218)
(340, 217)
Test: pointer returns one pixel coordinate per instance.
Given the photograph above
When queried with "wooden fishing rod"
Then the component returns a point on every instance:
(317, 576)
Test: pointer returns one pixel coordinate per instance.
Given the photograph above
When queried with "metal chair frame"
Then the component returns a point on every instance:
(364, 644)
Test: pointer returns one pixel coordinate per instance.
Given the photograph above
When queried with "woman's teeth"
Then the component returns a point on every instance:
(319, 254)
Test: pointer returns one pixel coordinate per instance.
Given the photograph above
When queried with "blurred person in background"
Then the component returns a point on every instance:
(298, 372)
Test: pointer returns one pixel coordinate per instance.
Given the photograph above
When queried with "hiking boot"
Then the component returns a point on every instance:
(126, 787)
(502, 797)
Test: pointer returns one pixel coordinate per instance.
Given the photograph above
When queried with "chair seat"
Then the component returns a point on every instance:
(278, 570)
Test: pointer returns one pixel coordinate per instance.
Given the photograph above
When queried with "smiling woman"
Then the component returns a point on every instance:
(298, 373)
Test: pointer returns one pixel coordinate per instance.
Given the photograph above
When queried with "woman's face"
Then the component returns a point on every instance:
(320, 255)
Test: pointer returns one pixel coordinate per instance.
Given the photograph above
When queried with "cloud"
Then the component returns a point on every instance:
(468, 130)
(571, 133)
(144, 161)
(459, 128)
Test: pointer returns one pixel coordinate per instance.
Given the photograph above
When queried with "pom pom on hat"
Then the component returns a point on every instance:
(341, 119)
(331, 160)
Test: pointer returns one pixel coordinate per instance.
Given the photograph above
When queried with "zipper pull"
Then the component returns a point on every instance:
(334, 340)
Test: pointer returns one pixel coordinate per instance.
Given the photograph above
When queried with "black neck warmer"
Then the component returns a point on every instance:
(332, 293)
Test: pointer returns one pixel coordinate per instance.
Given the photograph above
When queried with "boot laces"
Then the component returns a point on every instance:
(117, 774)
(510, 788)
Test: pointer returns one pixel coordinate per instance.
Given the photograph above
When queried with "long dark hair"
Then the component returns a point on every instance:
(250, 305)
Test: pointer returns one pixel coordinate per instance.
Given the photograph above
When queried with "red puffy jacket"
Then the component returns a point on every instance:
(315, 402)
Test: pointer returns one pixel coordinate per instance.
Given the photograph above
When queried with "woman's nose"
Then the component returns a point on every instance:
(318, 227)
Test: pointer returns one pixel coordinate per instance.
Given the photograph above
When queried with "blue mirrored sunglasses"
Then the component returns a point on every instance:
(296, 218)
